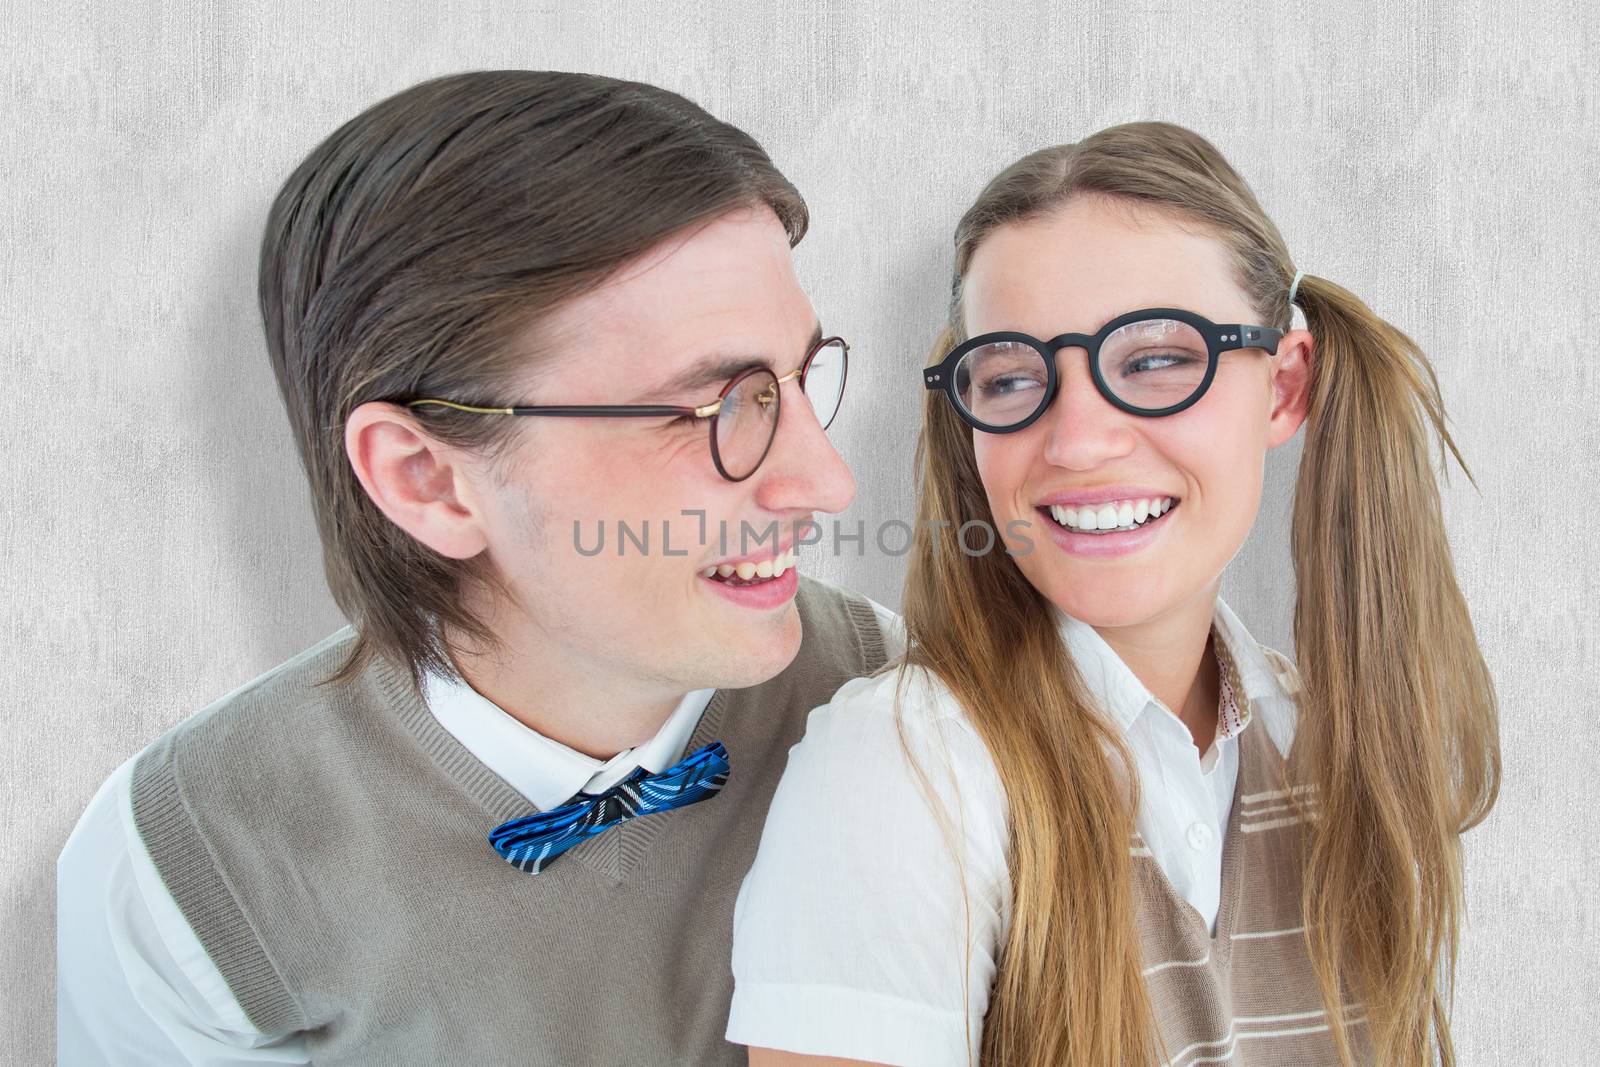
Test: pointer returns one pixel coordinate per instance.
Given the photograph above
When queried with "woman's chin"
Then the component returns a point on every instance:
(1103, 604)
(1102, 619)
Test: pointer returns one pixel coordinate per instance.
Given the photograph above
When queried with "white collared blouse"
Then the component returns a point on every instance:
(848, 929)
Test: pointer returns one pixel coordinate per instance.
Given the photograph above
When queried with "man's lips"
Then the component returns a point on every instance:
(752, 568)
(783, 548)
(761, 594)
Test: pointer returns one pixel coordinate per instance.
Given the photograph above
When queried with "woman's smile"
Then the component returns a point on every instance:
(1110, 529)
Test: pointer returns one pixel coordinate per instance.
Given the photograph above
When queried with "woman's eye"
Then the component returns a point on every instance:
(691, 420)
(1004, 385)
(1156, 361)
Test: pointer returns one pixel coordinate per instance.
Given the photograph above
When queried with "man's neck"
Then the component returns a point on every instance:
(587, 709)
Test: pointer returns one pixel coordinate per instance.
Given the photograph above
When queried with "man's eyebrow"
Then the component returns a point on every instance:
(816, 336)
(714, 371)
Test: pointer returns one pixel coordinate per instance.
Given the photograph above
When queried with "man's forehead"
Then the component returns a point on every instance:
(666, 343)
(735, 240)
(724, 292)
(742, 249)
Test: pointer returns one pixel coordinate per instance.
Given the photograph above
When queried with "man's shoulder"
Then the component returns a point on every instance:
(283, 702)
(817, 591)
(222, 798)
(845, 625)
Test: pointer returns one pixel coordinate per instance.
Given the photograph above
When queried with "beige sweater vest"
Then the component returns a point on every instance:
(328, 846)
(1247, 995)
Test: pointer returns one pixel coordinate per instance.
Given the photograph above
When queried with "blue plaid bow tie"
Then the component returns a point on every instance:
(533, 842)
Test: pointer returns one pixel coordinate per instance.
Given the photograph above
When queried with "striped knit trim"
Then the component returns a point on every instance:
(1252, 935)
(1272, 809)
(1250, 1020)
(189, 870)
(498, 799)
(869, 635)
(1247, 1027)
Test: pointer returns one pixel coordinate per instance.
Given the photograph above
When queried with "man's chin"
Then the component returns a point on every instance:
(759, 650)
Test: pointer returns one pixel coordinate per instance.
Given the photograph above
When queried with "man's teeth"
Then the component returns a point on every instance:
(1111, 515)
(767, 568)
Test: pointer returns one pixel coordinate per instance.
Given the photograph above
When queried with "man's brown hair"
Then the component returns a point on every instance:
(414, 253)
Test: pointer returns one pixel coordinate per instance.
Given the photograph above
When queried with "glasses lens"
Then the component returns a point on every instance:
(1002, 383)
(746, 422)
(1154, 363)
(823, 381)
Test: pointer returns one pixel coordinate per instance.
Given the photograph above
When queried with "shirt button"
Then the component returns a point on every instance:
(1199, 835)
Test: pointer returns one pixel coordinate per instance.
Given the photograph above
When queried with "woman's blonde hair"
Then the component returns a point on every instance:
(1397, 722)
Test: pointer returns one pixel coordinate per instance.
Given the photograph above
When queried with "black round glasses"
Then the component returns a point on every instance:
(1156, 361)
(743, 419)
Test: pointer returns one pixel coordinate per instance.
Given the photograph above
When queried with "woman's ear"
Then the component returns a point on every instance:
(421, 484)
(1292, 368)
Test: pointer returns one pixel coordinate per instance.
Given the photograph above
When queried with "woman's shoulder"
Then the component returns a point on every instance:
(1288, 674)
(1281, 710)
(911, 693)
(902, 722)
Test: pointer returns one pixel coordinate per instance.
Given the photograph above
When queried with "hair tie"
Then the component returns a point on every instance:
(1295, 284)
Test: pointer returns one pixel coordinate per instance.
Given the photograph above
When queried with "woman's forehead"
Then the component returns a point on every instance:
(1079, 266)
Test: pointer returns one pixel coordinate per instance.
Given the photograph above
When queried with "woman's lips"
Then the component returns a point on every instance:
(1099, 545)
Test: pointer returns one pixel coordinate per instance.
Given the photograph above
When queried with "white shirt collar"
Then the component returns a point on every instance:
(543, 770)
(1256, 672)
(1125, 697)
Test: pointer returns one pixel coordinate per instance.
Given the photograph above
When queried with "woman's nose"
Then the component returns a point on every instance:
(1085, 429)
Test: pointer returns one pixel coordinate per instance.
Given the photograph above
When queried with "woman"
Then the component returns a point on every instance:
(1089, 820)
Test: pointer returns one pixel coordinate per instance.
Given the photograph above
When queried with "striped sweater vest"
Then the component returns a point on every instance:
(1245, 996)
(328, 845)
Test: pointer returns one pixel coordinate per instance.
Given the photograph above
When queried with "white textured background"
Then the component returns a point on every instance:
(1438, 159)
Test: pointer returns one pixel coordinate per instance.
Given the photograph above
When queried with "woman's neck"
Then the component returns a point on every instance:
(1172, 656)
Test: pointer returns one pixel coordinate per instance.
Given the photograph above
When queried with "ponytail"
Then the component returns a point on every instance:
(1397, 720)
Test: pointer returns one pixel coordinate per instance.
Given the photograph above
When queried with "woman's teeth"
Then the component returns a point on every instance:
(1113, 516)
(750, 571)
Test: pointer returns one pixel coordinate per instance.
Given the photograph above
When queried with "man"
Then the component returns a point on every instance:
(349, 859)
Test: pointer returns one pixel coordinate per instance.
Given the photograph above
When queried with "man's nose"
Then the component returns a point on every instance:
(803, 471)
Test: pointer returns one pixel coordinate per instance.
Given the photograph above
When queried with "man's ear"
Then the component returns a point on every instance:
(1291, 385)
(420, 483)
